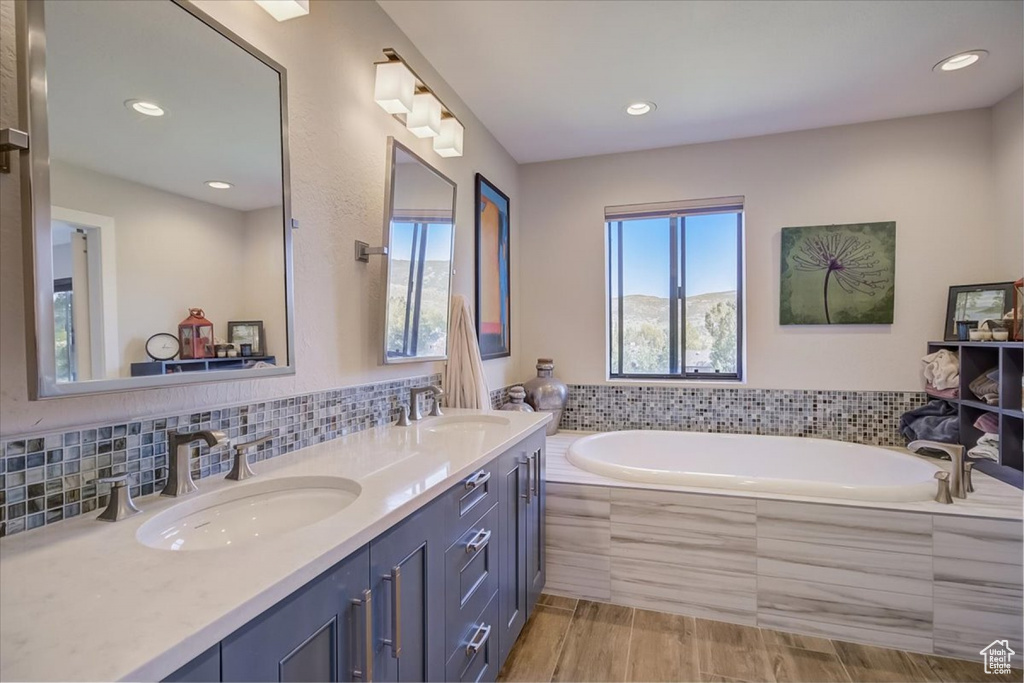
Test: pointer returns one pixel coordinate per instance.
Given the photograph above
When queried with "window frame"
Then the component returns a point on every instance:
(677, 295)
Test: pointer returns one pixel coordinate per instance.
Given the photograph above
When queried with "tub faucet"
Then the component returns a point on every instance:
(179, 471)
(956, 452)
(414, 403)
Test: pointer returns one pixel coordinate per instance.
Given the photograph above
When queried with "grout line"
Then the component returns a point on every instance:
(565, 637)
(840, 660)
(629, 642)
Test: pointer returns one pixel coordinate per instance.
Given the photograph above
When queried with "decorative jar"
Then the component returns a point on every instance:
(547, 393)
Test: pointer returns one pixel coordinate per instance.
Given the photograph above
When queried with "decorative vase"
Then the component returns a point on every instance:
(547, 393)
(517, 396)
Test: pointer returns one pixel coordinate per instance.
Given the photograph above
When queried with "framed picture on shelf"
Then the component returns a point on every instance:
(493, 324)
(248, 332)
(976, 304)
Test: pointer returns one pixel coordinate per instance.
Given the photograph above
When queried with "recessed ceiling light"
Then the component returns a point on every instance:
(960, 61)
(641, 108)
(219, 184)
(146, 108)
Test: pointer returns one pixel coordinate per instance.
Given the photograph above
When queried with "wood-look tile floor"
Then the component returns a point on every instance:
(578, 640)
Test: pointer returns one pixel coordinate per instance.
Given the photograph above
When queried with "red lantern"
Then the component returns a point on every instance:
(196, 336)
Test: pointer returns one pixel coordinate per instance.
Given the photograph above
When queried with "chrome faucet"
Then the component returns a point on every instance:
(959, 476)
(414, 402)
(179, 470)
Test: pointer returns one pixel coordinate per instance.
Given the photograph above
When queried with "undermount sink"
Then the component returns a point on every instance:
(247, 512)
(465, 423)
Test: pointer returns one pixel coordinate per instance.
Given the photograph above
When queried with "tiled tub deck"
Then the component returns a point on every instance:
(926, 578)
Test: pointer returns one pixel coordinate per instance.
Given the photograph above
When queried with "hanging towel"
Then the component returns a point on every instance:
(464, 382)
(988, 447)
(942, 369)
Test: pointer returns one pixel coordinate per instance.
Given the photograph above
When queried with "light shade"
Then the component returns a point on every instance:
(449, 142)
(395, 87)
(283, 10)
(424, 121)
(960, 61)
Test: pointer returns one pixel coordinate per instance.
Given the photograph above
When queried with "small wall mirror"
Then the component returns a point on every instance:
(419, 231)
(160, 213)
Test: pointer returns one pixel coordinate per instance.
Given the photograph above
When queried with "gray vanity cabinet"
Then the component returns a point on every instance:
(450, 589)
(535, 516)
(407, 573)
(316, 634)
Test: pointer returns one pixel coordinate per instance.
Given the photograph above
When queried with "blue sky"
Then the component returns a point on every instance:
(439, 239)
(710, 255)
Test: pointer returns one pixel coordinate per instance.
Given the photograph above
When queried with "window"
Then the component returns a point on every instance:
(63, 330)
(675, 283)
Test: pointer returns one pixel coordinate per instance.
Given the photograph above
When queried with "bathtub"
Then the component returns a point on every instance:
(774, 464)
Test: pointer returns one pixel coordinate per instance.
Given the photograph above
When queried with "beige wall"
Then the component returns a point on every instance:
(1008, 152)
(338, 155)
(933, 175)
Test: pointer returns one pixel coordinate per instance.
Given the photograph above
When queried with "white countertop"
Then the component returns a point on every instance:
(83, 600)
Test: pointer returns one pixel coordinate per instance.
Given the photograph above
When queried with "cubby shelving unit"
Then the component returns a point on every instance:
(977, 358)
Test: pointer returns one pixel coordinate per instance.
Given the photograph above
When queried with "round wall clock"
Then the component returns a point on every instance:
(163, 346)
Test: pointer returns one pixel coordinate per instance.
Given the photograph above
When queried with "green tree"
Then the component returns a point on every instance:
(720, 323)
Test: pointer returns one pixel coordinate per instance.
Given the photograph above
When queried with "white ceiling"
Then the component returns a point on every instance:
(551, 79)
(222, 105)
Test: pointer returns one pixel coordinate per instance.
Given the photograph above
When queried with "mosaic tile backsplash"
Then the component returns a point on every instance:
(45, 478)
(868, 417)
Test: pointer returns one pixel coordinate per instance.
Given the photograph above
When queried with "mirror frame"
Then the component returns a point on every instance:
(389, 209)
(36, 233)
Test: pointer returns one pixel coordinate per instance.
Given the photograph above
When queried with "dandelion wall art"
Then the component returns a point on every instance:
(838, 274)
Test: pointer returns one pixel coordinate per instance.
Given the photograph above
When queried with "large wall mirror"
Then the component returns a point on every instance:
(160, 218)
(419, 231)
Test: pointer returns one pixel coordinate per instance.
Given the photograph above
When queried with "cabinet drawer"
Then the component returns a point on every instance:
(476, 658)
(471, 576)
(465, 502)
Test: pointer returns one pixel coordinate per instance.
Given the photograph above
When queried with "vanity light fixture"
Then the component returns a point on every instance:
(449, 142)
(404, 95)
(394, 88)
(283, 10)
(424, 121)
(961, 60)
(641, 108)
(219, 184)
(145, 108)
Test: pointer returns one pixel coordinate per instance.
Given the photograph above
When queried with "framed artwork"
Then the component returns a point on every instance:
(493, 323)
(248, 332)
(838, 274)
(976, 304)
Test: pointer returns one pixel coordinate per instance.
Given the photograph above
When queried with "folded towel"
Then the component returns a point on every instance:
(942, 369)
(988, 447)
(988, 422)
(986, 387)
(952, 392)
(934, 421)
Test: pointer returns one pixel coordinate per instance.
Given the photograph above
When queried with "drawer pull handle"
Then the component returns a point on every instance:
(396, 611)
(479, 639)
(536, 475)
(479, 541)
(366, 673)
(478, 479)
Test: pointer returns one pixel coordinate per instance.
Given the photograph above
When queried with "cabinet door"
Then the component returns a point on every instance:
(514, 500)
(535, 573)
(316, 634)
(407, 575)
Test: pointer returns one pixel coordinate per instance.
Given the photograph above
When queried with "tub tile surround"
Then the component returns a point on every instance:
(44, 478)
(929, 581)
(868, 417)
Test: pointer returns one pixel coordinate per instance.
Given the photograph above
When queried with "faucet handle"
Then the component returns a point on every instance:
(435, 411)
(968, 483)
(240, 469)
(403, 417)
(943, 495)
(120, 504)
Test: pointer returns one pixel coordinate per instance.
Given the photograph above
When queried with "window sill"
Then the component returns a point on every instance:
(701, 383)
